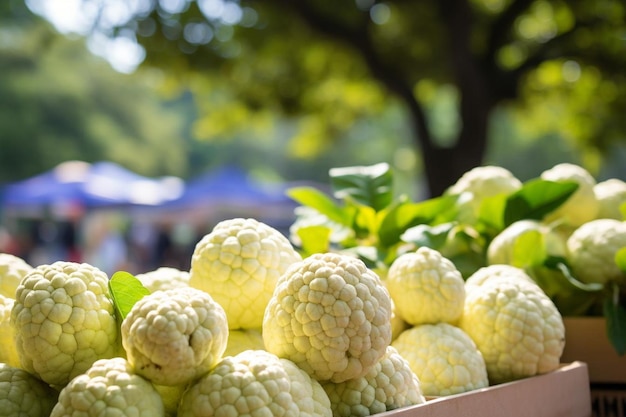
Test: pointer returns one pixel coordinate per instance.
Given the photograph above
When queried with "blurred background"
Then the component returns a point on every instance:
(129, 128)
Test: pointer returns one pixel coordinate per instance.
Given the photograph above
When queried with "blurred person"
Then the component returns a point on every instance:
(8, 242)
(47, 246)
(141, 240)
(104, 245)
(68, 240)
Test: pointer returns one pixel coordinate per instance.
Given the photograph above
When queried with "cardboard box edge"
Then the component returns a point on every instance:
(605, 365)
(500, 399)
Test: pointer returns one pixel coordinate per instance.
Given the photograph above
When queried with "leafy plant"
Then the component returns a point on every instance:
(365, 218)
(615, 308)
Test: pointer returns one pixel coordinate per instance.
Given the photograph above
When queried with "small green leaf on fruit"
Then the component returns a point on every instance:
(620, 259)
(529, 249)
(126, 290)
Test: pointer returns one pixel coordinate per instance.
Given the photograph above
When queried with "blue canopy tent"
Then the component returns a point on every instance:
(230, 192)
(228, 186)
(78, 184)
(62, 183)
(111, 184)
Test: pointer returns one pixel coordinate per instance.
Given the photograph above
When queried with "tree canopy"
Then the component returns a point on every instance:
(557, 65)
(59, 102)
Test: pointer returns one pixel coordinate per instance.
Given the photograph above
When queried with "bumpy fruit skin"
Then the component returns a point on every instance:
(444, 358)
(389, 385)
(486, 181)
(12, 270)
(238, 263)
(611, 195)
(8, 350)
(494, 272)
(426, 287)
(480, 183)
(592, 248)
(516, 327)
(582, 206)
(172, 337)
(24, 395)
(109, 388)
(64, 321)
(255, 383)
(242, 340)
(164, 278)
(398, 325)
(331, 315)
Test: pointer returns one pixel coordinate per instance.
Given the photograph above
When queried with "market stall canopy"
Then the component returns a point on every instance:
(81, 184)
(229, 186)
(227, 192)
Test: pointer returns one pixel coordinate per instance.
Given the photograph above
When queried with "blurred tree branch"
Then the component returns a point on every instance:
(311, 57)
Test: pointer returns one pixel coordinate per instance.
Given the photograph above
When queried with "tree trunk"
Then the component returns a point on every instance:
(443, 166)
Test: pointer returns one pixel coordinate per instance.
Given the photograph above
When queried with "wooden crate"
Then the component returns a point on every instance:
(586, 341)
(564, 392)
(608, 400)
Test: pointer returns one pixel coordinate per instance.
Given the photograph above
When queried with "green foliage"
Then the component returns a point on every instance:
(368, 186)
(365, 219)
(125, 290)
(615, 309)
(620, 259)
(365, 213)
(556, 67)
(572, 297)
(615, 314)
(59, 102)
(536, 199)
(405, 215)
(529, 249)
(317, 200)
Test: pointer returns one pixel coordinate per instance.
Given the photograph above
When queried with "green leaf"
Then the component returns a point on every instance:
(558, 263)
(314, 198)
(126, 290)
(620, 259)
(529, 249)
(314, 239)
(404, 216)
(365, 222)
(536, 199)
(433, 237)
(367, 185)
(491, 211)
(615, 315)
(570, 300)
(368, 254)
